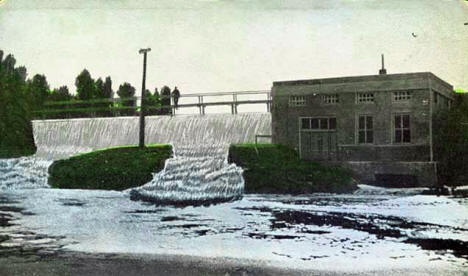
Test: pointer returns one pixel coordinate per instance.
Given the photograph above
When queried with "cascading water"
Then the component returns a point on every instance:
(196, 175)
(23, 173)
(198, 170)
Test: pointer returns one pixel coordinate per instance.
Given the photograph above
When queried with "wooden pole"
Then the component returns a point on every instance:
(141, 143)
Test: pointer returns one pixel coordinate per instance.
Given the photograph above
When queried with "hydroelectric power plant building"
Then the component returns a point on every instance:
(380, 126)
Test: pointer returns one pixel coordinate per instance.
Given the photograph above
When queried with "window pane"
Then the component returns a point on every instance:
(369, 122)
(361, 122)
(406, 136)
(397, 121)
(406, 121)
(305, 123)
(397, 136)
(362, 135)
(323, 123)
(332, 123)
(370, 136)
(314, 123)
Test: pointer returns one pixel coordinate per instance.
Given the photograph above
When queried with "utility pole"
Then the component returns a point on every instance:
(142, 106)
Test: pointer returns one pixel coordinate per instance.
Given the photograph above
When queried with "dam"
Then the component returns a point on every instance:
(61, 138)
(198, 170)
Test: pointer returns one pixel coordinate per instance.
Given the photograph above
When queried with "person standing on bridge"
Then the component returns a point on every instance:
(176, 96)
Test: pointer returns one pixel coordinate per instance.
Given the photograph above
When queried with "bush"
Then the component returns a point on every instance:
(117, 168)
(270, 168)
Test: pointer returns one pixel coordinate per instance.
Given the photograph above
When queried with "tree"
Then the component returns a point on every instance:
(166, 100)
(99, 86)
(16, 136)
(126, 90)
(85, 86)
(60, 94)
(108, 93)
(23, 73)
(9, 63)
(38, 89)
(104, 91)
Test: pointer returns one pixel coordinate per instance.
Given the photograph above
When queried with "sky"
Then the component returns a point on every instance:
(234, 45)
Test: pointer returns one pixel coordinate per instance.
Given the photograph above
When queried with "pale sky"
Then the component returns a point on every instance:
(222, 45)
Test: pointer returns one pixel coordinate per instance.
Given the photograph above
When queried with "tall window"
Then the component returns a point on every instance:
(330, 99)
(318, 123)
(400, 96)
(365, 97)
(297, 101)
(402, 128)
(365, 129)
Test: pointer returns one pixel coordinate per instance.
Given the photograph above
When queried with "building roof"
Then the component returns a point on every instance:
(351, 79)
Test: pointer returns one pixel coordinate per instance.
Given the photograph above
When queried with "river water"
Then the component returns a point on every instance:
(372, 229)
(329, 232)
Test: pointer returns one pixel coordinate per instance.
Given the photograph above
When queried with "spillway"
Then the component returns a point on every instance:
(199, 169)
(62, 138)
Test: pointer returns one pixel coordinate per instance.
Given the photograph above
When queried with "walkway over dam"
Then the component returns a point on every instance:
(125, 106)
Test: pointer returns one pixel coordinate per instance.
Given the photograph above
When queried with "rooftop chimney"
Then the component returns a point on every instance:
(383, 71)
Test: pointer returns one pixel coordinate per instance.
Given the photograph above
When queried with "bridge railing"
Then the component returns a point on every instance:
(128, 106)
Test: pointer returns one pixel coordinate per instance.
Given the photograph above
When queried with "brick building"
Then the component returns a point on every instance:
(380, 126)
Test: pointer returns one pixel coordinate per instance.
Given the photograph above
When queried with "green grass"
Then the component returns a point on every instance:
(270, 168)
(115, 168)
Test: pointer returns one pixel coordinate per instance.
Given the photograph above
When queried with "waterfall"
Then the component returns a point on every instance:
(198, 170)
(62, 138)
(195, 175)
(23, 173)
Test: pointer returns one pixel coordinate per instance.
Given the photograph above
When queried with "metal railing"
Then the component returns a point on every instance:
(128, 106)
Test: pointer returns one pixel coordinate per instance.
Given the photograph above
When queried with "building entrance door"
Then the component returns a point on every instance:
(318, 145)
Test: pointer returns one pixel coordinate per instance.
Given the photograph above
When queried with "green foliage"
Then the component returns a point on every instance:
(8, 64)
(99, 85)
(16, 137)
(152, 102)
(126, 90)
(166, 99)
(451, 143)
(61, 94)
(277, 169)
(85, 86)
(107, 92)
(116, 168)
(38, 90)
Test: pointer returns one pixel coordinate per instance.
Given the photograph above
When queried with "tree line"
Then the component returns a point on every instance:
(93, 97)
(96, 98)
(21, 98)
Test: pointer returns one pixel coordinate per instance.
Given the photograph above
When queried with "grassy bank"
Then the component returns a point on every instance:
(277, 169)
(116, 168)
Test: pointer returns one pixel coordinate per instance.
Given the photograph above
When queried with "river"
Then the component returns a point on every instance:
(373, 229)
